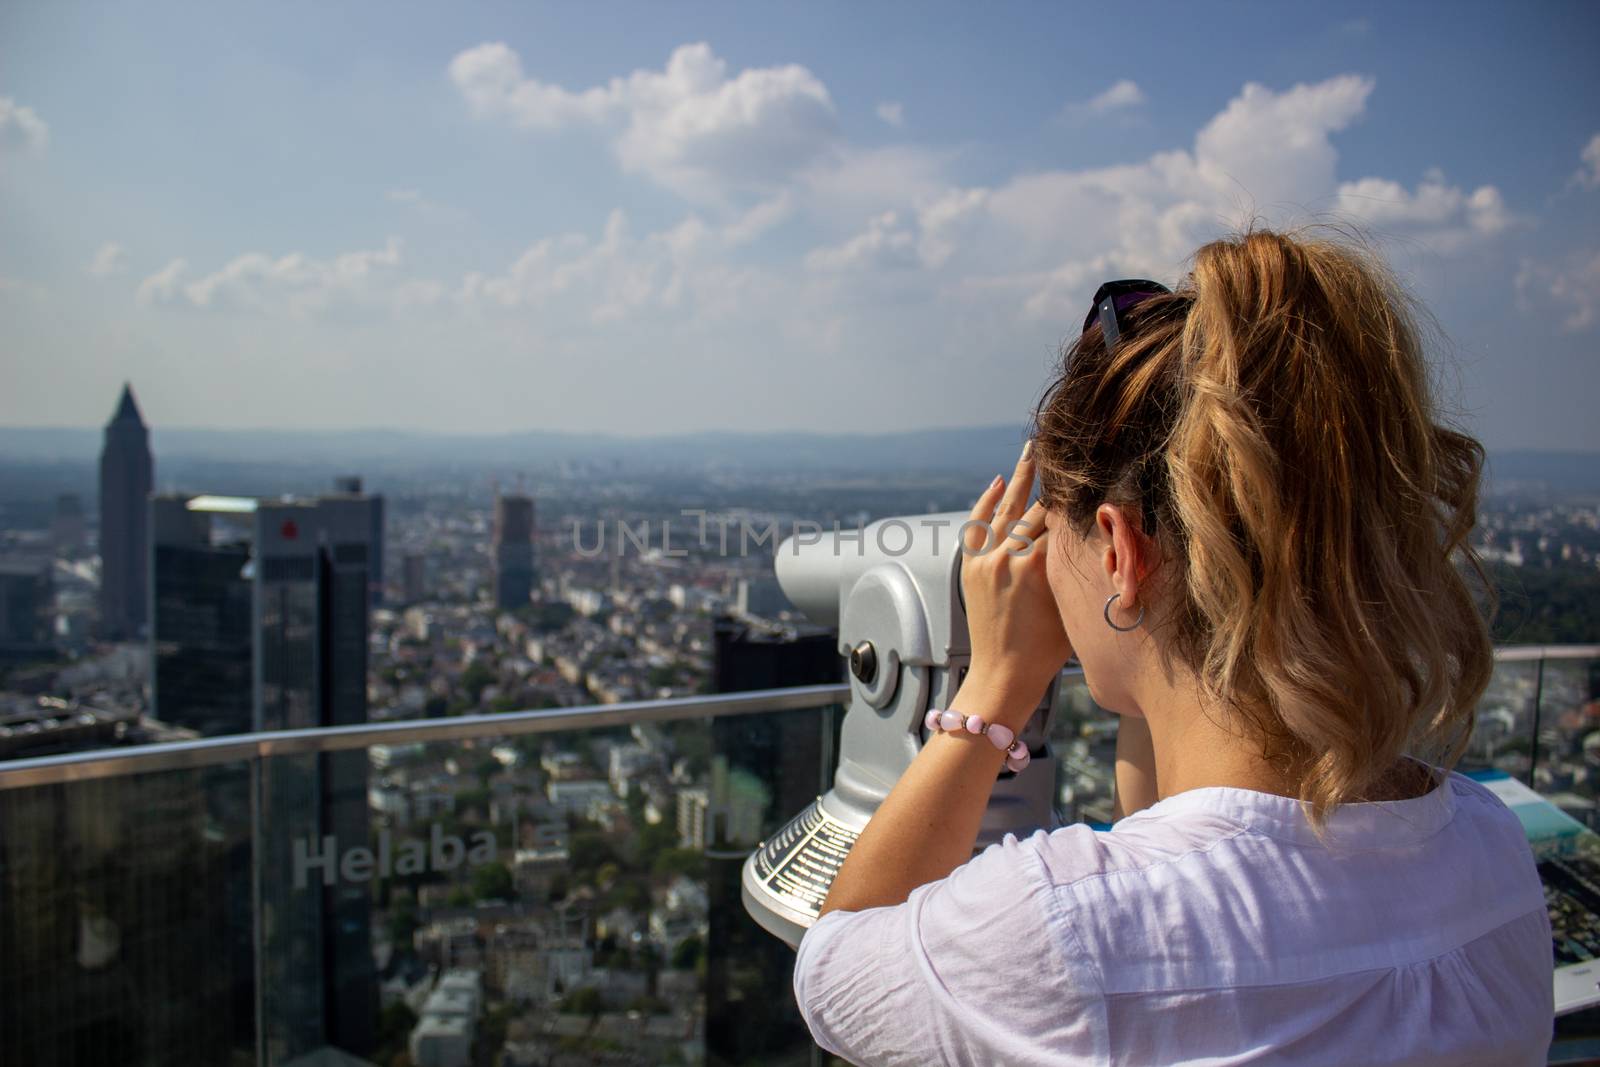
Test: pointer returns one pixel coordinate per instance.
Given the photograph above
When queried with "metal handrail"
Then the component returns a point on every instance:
(210, 751)
(1523, 653)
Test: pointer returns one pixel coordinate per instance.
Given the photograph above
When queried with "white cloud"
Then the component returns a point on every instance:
(617, 276)
(1039, 241)
(759, 219)
(110, 258)
(162, 286)
(1119, 96)
(892, 112)
(1444, 215)
(689, 126)
(1273, 147)
(1588, 175)
(403, 196)
(1569, 289)
(294, 285)
(854, 184)
(885, 244)
(21, 128)
(902, 261)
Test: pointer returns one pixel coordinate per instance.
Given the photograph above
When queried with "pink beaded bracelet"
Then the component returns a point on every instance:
(1003, 737)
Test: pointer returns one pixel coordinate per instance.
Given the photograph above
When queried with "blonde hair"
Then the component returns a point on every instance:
(1273, 420)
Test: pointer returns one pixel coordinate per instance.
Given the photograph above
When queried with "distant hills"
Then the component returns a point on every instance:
(1573, 471)
(957, 449)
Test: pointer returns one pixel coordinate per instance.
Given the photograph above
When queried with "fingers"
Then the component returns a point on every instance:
(1000, 512)
(976, 536)
(1026, 536)
(1016, 497)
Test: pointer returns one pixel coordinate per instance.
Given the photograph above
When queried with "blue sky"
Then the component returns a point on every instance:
(662, 218)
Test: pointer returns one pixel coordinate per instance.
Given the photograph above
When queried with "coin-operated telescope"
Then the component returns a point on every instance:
(894, 591)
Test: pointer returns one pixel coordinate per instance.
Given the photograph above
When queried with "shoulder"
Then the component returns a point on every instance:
(892, 984)
(1484, 817)
(1080, 857)
(904, 984)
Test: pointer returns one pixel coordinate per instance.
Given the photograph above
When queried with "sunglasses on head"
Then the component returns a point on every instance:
(1115, 298)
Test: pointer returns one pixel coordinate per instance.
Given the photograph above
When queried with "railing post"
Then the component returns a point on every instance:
(256, 932)
(1538, 708)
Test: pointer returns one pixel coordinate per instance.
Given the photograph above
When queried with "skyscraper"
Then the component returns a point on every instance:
(261, 623)
(513, 550)
(126, 474)
(350, 485)
(414, 577)
(792, 751)
(260, 619)
(26, 596)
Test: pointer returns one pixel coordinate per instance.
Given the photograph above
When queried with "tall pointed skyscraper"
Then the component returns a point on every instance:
(126, 475)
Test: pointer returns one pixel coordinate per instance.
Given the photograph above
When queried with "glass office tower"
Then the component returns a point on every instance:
(513, 550)
(260, 623)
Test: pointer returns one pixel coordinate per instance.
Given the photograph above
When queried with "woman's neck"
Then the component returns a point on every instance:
(1194, 747)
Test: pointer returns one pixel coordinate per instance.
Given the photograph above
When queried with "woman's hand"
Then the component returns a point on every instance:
(926, 827)
(1013, 624)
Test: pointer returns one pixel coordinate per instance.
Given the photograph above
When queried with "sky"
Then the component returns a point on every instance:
(663, 218)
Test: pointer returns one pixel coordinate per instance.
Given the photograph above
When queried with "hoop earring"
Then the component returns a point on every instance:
(1112, 599)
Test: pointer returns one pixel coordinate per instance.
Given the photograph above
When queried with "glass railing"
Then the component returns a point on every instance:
(1539, 721)
(538, 887)
(532, 888)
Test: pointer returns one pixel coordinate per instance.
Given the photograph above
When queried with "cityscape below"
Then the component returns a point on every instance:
(550, 898)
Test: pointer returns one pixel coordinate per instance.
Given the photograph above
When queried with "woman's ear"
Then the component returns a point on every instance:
(1125, 556)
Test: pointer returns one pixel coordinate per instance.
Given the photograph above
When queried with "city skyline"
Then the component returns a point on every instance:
(740, 223)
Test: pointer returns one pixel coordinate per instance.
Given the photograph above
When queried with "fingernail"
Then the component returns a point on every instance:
(1027, 449)
(997, 481)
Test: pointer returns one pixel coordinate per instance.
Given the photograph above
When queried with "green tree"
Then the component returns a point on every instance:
(686, 956)
(475, 679)
(585, 1001)
(395, 1023)
(493, 881)
(403, 923)
(675, 861)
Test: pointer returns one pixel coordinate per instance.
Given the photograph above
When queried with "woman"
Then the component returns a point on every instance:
(1248, 533)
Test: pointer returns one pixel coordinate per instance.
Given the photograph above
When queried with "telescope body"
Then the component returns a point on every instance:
(893, 589)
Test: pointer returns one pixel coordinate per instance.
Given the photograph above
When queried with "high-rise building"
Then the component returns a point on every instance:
(761, 597)
(27, 597)
(414, 577)
(260, 622)
(513, 550)
(792, 753)
(350, 485)
(126, 473)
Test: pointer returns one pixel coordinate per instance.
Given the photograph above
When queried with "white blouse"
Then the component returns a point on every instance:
(1210, 928)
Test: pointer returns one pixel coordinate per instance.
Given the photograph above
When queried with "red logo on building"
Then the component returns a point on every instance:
(289, 530)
